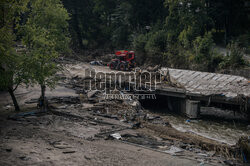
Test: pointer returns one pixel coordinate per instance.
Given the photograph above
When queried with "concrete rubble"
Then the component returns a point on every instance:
(209, 83)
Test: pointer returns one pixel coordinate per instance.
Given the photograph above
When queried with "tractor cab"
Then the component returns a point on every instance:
(125, 55)
(124, 60)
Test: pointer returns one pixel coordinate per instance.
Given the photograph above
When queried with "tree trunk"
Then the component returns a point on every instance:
(42, 91)
(44, 102)
(11, 92)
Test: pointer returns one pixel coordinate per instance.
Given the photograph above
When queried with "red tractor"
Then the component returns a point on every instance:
(124, 60)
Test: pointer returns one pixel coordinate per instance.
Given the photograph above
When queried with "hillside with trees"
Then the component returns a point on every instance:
(175, 33)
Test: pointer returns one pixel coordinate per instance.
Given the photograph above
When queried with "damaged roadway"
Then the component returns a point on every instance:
(83, 128)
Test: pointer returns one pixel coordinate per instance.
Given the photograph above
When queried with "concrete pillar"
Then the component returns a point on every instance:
(192, 109)
(182, 107)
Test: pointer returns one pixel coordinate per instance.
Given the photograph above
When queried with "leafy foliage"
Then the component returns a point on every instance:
(12, 70)
(234, 58)
(160, 30)
(11, 67)
(45, 35)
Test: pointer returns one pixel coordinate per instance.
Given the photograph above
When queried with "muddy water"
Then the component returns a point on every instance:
(224, 127)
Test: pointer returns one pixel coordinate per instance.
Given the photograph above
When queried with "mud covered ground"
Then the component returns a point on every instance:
(85, 129)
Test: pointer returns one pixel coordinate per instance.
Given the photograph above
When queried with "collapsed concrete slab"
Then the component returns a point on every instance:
(209, 87)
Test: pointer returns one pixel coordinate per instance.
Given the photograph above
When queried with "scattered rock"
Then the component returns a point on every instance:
(136, 125)
(166, 124)
(92, 123)
(61, 145)
(149, 117)
(62, 107)
(65, 100)
(153, 69)
(86, 157)
(229, 162)
(8, 149)
(202, 154)
(173, 150)
(66, 152)
(23, 158)
(90, 139)
(98, 63)
(116, 136)
(92, 94)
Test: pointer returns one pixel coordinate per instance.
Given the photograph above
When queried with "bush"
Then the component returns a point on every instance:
(234, 58)
(150, 47)
(156, 42)
(139, 46)
(244, 42)
(177, 57)
(156, 46)
(203, 45)
(140, 42)
(203, 52)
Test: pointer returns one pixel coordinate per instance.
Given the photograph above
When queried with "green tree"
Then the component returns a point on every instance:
(121, 25)
(234, 58)
(85, 25)
(231, 17)
(46, 37)
(203, 50)
(12, 70)
(146, 13)
(187, 19)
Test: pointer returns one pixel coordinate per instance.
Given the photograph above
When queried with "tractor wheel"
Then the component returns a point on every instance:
(123, 67)
(112, 65)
